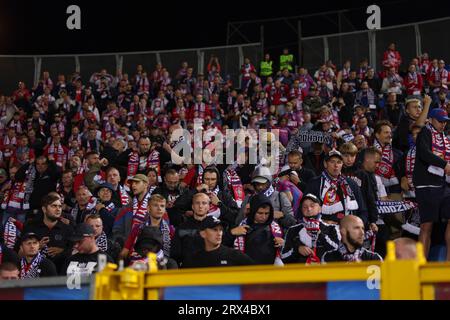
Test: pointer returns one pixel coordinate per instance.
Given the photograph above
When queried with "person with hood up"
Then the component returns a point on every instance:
(258, 235)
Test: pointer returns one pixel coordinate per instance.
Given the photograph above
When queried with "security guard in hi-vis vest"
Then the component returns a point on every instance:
(286, 60)
(266, 67)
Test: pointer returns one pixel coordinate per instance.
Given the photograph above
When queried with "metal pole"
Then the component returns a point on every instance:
(300, 48)
(418, 40)
(326, 49)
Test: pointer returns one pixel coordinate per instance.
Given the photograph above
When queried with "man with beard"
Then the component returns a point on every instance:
(54, 234)
(351, 247)
(414, 115)
(171, 191)
(307, 241)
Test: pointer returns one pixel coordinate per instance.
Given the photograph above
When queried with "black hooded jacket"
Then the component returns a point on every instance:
(259, 240)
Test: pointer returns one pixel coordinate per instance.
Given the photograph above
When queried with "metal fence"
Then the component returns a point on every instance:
(411, 39)
(28, 68)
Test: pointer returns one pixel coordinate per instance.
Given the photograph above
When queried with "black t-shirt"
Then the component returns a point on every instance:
(84, 264)
(221, 257)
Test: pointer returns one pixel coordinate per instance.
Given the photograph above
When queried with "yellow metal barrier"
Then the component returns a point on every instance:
(400, 279)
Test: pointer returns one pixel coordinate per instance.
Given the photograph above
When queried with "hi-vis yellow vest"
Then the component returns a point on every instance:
(286, 61)
(266, 68)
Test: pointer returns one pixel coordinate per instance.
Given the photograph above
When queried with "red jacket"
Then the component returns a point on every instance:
(413, 83)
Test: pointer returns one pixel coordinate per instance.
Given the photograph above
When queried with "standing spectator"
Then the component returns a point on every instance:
(431, 172)
(413, 82)
(392, 58)
(246, 69)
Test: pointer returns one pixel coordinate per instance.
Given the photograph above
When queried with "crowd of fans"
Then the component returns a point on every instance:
(87, 166)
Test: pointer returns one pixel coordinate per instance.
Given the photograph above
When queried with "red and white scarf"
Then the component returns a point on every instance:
(384, 168)
(140, 210)
(239, 243)
(440, 146)
(213, 209)
(309, 236)
(235, 184)
(124, 199)
(15, 197)
(58, 153)
(332, 203)
(152, 161)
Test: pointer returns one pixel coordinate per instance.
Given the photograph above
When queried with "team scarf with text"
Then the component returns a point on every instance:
(440, 145)
(409, 166)
(152, 161)
(239, 243)
(102, 242)
(10, 234)
(140, 210)
(235, 184)
(269, 191)
(30, 270)
(384, 168)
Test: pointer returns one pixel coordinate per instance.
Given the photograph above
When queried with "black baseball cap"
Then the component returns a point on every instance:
(82, 230)
(311, 197)
(211, 222)
(29, 235)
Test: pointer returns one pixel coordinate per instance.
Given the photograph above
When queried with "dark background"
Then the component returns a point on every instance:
(39, 27)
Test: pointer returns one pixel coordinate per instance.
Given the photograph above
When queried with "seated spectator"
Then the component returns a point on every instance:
(33, 263)
(311, 238)
(351, 248)
(213, 253)
(259, 236)
(9, 271)
(85, 261)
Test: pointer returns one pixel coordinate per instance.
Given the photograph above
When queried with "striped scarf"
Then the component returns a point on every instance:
(151, 161)
(332, 203)
(384, 168)
(239, 243)
(235, 184)
(140, 211)
(440, 145)
(165, 230)
(30, 270)
(58, 153)
(213, 209)
(312, 228)
(124, 199)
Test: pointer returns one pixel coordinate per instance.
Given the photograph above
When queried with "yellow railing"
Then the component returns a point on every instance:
(400, 279)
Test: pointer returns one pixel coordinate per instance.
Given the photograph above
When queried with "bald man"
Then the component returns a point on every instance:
(405, 249)
(351, 247)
